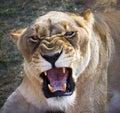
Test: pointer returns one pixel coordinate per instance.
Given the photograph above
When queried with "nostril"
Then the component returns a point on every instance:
(52, 59)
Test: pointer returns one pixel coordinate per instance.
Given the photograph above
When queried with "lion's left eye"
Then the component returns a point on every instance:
(34, 39)
(69, 34)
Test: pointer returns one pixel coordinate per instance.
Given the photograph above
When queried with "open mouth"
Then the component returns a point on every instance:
(58, 82)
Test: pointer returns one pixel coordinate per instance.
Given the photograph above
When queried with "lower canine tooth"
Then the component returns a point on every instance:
(64, 86)
(50, 88)
(63, 69)
(45, 73)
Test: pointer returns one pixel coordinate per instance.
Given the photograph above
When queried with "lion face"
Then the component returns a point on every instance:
(56, 50)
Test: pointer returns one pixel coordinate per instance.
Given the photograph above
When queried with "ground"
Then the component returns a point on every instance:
(15, 14)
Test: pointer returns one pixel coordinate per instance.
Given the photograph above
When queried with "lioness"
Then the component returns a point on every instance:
(66, 61)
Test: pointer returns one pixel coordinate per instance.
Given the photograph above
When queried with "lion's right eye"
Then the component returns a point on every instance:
(69, 34)
(34, 39)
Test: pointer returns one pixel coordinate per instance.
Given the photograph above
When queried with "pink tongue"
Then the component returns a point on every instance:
(57, 78)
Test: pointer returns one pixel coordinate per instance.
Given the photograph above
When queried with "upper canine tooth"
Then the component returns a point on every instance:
(50, 88)
(63, 69)
(45, 73)
(64, 86)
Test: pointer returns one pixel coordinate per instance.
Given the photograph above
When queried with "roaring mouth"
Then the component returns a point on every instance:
(58, 82)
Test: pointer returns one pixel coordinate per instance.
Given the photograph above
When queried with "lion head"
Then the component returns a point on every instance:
(56, 50)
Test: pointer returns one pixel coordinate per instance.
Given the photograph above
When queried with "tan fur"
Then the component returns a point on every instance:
(88, 53)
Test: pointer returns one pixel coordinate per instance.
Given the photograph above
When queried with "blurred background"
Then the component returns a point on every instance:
(15, 14)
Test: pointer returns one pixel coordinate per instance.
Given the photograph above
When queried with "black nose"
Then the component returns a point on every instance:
(52, 59)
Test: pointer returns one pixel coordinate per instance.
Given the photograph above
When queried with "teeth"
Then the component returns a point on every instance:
(64, 86)
(50, 88)
(45, 73)
(63, 69)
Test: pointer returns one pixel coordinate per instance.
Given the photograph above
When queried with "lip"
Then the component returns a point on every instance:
(60, 79)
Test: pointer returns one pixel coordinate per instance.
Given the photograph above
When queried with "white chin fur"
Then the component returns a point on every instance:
(61, 103)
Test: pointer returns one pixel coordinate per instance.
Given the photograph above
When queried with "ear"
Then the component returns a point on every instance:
(16, 34)
(88, 16)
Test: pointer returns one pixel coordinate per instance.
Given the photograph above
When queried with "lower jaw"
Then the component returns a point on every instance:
(61, 103)
(58, 94)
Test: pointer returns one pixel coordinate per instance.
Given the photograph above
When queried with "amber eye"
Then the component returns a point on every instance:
(69, 34)
(34, 39)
